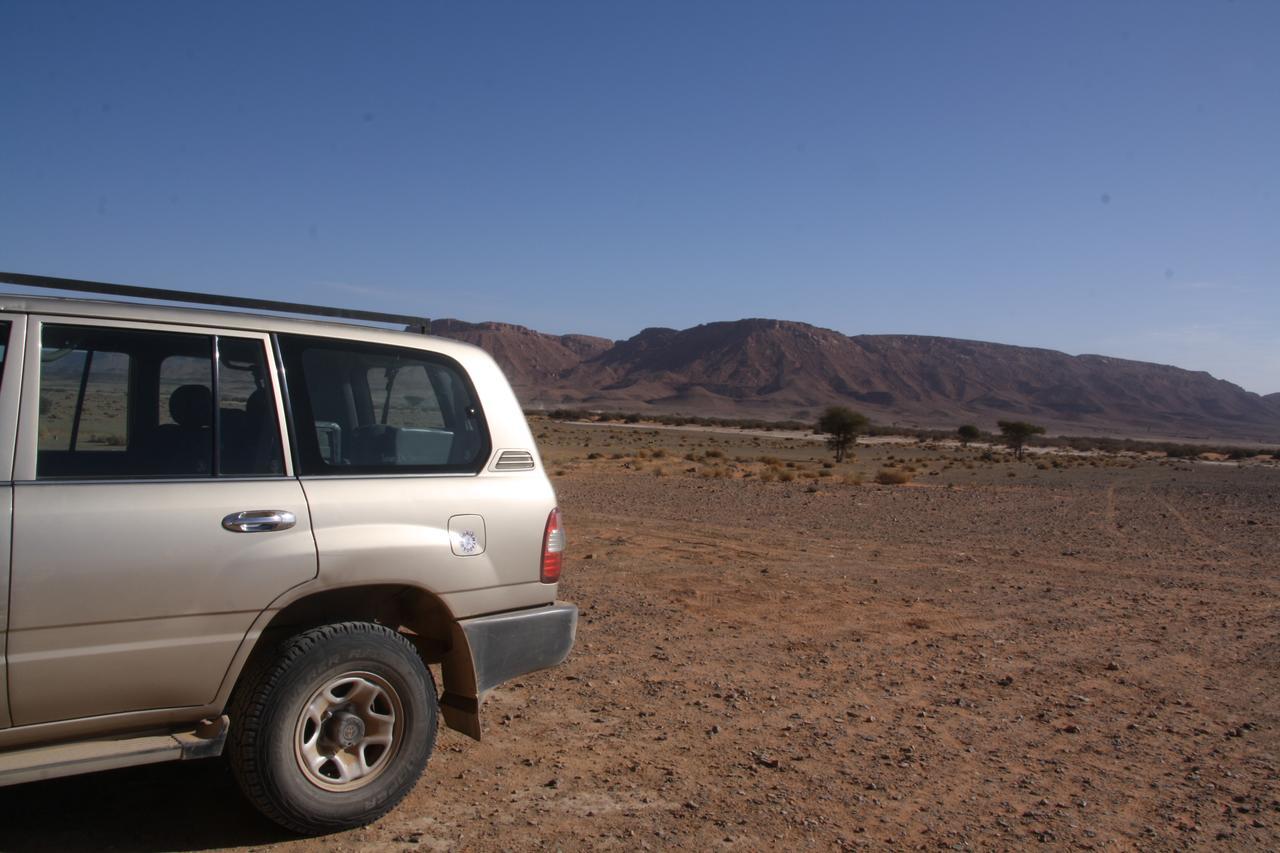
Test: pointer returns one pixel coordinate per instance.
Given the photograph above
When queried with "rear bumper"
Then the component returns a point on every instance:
(508, 645)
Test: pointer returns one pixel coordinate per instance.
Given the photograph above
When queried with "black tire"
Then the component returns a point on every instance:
(292, 768)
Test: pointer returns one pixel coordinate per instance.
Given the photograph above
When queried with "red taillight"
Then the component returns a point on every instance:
(552, 547)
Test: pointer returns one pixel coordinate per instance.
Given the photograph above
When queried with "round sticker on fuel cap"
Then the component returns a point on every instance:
(466, 535)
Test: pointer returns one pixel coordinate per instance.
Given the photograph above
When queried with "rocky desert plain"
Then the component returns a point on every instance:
(1076, 650)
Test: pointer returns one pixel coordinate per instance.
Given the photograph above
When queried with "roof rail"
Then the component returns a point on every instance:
(137, 292)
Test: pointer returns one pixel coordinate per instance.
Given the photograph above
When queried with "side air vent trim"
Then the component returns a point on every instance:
(512, 460)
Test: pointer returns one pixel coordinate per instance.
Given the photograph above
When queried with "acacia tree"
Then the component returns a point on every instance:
(842, 426)
(1016, 433)
(968, 433)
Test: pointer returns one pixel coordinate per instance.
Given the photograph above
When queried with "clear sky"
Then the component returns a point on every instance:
(1085, 176)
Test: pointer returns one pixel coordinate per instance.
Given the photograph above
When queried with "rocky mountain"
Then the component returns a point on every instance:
(782, 369)
(532, 360)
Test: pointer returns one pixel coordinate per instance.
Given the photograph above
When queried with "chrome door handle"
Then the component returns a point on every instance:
(259, 520)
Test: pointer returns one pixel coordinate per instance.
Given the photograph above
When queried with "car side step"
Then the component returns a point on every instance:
(89, 756)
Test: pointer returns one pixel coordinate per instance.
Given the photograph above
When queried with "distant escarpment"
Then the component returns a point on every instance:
(783, 369)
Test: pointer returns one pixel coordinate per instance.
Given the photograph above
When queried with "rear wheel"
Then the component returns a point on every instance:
(336, 729)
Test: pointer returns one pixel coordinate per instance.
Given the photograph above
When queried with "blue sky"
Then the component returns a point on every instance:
(1085, 176)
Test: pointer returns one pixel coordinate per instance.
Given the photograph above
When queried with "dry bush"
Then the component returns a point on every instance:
(786, 476)
(715, 453)
(768, 475)
(892, 477)
(854, 479)
(771, 461)
(659, 453)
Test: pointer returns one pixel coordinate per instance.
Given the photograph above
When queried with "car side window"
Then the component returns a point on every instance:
(368, 408)
(4, 343)
(127, 403)
(248, 428)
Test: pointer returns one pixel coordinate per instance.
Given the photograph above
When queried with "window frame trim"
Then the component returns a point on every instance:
(28, 428)
(11, 391)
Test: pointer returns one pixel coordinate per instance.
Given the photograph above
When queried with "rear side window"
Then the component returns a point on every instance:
(370, 409)
(126, 403)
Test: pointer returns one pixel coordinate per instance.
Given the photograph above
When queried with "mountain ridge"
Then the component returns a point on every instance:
(760, 367)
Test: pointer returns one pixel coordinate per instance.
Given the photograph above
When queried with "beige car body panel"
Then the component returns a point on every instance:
(91, 623)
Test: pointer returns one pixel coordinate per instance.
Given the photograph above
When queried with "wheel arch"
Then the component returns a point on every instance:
(421, 616)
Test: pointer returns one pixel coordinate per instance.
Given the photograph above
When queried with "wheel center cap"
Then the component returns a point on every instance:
(346, 729)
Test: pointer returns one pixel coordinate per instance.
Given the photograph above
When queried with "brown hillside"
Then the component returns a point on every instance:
(776, 368)
(532, 360)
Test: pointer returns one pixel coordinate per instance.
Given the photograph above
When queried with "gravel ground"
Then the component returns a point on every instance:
(1086, 656)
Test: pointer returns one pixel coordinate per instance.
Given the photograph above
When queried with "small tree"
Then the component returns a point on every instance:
(1016, 433)
(842, 426)
(968, 433)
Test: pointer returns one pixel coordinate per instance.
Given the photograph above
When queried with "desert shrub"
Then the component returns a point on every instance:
(828, 464)
(715, 453)
(825, 472)
(854, 479)
(892, 477)
(786, 476)
(768, 475)
(770, 460)
(659, 453)
(595, 455)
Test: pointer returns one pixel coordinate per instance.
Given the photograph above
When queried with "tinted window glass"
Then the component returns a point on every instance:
(249, 431)
(100, 403)
(362, 408)
(4, 344)
(127, 403)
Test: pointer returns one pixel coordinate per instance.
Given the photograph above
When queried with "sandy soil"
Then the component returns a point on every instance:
(1084, 656)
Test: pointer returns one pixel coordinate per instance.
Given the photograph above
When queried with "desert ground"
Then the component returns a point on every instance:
(1077, 650)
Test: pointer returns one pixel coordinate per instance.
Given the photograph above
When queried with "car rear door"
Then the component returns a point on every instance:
(155, 515)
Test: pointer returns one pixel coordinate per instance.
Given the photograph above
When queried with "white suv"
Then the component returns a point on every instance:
(242, 530)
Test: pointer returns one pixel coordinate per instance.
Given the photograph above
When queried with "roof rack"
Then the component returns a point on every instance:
(163, 295)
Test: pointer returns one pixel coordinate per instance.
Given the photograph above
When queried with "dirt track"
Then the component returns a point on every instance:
(1088, 657)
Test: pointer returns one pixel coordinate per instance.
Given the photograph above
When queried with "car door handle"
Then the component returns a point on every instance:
(259, 520)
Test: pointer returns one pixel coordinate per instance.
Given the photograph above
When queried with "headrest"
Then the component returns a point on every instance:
(191, 406)
(256, 406)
